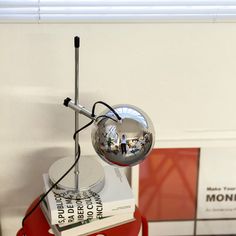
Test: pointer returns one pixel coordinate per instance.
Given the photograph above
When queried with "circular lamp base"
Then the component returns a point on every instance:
(91, 177)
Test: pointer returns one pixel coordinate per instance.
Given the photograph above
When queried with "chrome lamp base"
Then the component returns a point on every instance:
(91, 177)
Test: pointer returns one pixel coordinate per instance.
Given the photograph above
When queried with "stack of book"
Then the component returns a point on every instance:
(113, 206)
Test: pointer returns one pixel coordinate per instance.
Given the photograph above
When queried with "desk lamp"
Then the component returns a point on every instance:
(122, 135)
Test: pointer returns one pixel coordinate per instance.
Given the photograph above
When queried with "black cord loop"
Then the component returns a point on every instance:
(108, 106)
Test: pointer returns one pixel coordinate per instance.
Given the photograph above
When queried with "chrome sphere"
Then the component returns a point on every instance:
(124, 142)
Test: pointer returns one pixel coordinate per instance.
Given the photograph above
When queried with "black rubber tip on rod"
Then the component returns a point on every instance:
(66, 101)
(77, 42)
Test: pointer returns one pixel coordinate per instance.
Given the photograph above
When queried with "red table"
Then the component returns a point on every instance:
(36, 225)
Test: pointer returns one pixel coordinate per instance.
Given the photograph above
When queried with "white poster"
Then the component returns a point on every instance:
(216, 207)
(217, 183)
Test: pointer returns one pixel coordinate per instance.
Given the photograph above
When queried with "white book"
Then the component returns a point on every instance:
(115, 198)
(88, 227)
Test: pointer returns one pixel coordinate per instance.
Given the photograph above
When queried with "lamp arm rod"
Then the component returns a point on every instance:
(78, 108)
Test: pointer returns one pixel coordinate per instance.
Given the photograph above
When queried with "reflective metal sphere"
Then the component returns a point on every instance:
(126, 142)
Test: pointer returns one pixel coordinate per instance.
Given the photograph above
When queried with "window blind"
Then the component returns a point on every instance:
(116, 10)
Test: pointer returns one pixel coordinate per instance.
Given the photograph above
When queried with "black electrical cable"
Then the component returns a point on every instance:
(77, 159)
(55, 184)
(92, 122)
(93, 115)
(104, 116)
(108, 106)
(77, 131)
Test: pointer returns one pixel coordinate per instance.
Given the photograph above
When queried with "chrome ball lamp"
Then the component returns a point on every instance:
(122, 136)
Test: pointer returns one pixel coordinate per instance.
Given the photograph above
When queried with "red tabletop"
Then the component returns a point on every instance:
(36, 225)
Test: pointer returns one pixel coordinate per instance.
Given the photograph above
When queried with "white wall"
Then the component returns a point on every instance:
(182, 75)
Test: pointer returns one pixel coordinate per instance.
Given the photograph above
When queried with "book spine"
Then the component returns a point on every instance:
(68, 211)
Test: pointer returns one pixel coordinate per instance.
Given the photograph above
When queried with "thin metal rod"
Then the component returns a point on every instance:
(76, 44)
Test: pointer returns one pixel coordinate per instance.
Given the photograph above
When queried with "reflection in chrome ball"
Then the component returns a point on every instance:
(126, 142)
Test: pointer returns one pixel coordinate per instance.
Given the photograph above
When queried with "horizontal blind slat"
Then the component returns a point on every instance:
(136, 2)
(18, 3)
(19, 10)
(19, 17)
(138, 10)
(130, 16)
(109, 10)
